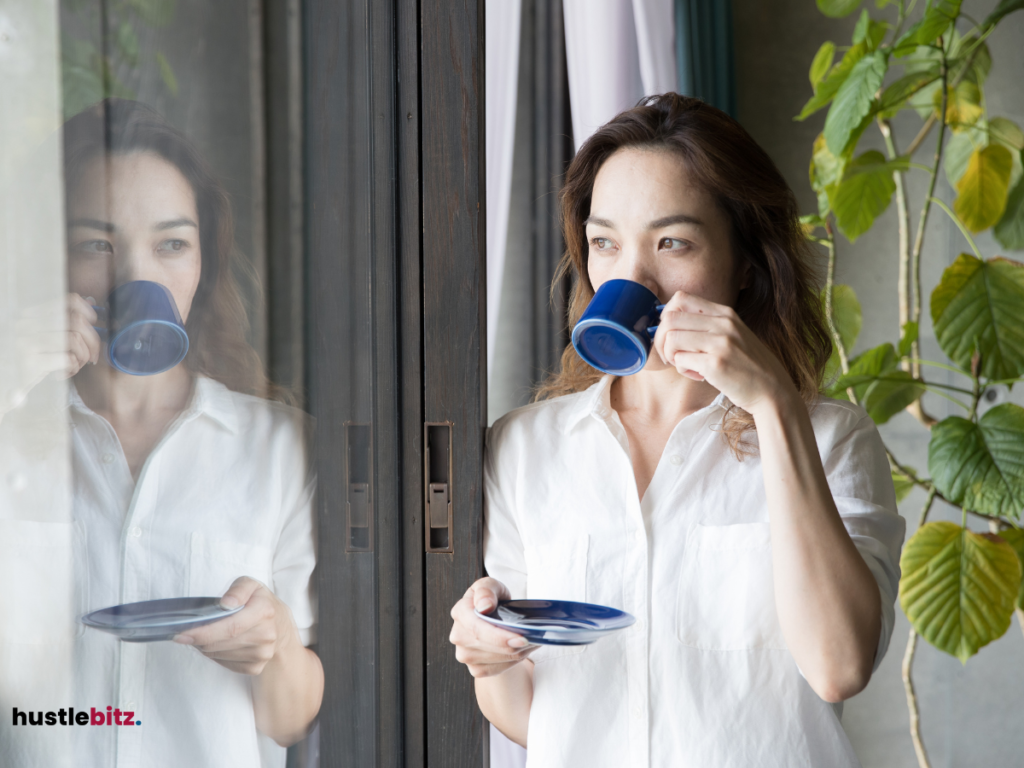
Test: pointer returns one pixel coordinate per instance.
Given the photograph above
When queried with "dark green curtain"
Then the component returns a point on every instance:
(704, 52)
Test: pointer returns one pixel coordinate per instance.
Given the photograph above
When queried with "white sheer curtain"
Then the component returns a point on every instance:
(502, 70)
(617, 51)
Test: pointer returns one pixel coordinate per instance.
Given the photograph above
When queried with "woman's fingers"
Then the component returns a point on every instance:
(682, 301)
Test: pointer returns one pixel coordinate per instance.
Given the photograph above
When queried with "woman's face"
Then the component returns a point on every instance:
(133, 217)
(651, 224)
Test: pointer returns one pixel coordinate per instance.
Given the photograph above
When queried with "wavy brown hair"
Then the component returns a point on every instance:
(217, 324)
(780, 303)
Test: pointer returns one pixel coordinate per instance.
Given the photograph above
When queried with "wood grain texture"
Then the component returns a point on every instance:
(452, 173)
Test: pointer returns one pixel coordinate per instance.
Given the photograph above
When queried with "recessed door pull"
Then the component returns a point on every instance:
(437, 481)
(358, 489)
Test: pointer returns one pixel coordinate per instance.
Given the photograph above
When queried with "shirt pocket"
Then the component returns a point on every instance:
(557, 570)
(726, 596)
(215, 563)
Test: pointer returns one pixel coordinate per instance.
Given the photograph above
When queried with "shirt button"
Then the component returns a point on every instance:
(107, 458)
(637, 710)
(136, 532)
(676, 459)
(640, 625)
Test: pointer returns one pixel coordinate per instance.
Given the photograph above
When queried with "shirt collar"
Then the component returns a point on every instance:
(210, 398)
(596, 401)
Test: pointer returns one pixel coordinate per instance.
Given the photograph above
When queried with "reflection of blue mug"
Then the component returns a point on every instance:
(144, 332)
(614, 335)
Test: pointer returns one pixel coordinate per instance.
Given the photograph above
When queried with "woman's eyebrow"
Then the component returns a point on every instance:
(103, 226)
(679, 218)
(184, 221)
(599, 222)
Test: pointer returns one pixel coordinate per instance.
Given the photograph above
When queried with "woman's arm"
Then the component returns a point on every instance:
(504, 686)
(505, 700)
(262, 640)
(828, 602)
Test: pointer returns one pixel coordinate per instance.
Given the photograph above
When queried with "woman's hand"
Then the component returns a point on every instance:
(707, 341)
(246, 641)
(485, 649)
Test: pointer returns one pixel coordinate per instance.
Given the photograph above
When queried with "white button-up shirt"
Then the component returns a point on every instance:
(703, 678)
(226, 493)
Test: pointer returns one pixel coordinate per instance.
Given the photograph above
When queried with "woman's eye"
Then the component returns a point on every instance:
(174, 246)
(94, 247)
(600, 243)
(671, 243)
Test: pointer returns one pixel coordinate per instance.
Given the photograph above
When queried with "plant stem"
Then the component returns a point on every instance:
(915, 255)
(830, 277)
(903, 219)
(908, 662)
(959, 224)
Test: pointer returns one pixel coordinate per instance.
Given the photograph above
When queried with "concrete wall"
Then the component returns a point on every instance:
(969, 714)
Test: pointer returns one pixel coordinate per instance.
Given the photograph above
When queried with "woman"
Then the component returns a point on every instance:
(185, 482)
(748, 523)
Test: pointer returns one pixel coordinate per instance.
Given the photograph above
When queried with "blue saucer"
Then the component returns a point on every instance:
(153, 620)
(557, 622)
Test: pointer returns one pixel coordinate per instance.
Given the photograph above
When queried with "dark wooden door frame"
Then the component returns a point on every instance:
(395, 232)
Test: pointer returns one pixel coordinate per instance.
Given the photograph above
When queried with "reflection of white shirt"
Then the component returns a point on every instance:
(226, 493)
(704, 677)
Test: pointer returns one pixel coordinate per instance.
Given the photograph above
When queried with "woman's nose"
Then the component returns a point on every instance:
(638, 270)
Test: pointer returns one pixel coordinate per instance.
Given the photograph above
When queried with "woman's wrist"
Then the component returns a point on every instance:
(784, 402)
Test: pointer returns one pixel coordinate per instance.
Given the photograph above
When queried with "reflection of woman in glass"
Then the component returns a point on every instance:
(749, 524)
(185, 483)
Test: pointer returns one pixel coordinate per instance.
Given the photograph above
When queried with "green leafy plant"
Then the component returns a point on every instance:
(959, 588)
(90, 73)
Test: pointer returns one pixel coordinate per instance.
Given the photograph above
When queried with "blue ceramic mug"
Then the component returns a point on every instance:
(616, 330)
(144, 332)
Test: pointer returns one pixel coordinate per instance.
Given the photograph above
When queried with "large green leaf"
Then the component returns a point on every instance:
(895, 95)
(1015, 538)
(958, 150)
(868, 31)
(882, 389)
(902, 484)
(853, 100)
(1009, 231)
(936, 20)
(836, 9)
(984, 187)
(862, 194)
(846, 316)
(1009, 134)
(958, 588)
(981, 466)
(963, 106)
(1004, 7)
(833, 81)
(822, 63)
(983, 301)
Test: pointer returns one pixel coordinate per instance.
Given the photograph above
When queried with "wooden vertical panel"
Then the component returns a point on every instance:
(452, 172)
(552, 150)
(285, 285)
(387, 390)
(411, 348)
(340, 361)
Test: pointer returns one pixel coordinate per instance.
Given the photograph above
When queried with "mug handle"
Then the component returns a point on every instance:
(654, 329)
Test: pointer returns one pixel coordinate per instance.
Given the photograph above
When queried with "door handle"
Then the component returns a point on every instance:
(437, 486)
(358, 487)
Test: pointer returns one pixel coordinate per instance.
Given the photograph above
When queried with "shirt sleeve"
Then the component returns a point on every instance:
(295, 554)
(859, 477)
(504, 559)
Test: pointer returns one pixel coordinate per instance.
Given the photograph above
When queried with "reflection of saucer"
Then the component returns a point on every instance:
(153, 620)
(557, 622)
